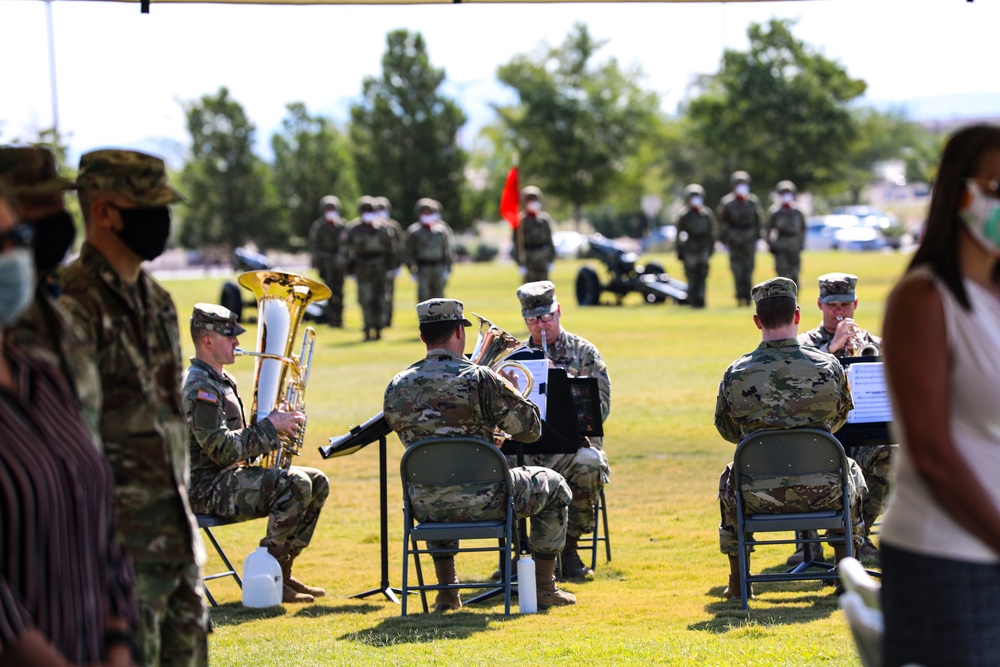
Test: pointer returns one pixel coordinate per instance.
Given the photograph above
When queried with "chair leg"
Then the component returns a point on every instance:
(607, 533)
(420, 577)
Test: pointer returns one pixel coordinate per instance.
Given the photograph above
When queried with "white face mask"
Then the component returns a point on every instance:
(787, 197)
(384, 214)
(367, 216)
(982, 218)
(17, 283)
(428, 218)
(534, 206)
(697, 201)
(332, 216)
(742, 189)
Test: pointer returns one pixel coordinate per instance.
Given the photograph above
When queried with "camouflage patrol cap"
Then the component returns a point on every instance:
(328, 202)
(366, 201)
(739, 177)
(531, 191)
(27, 171)
(694, 189)
(425, 202)
(140, 177)
(837, 287)
(383, 203)
(537, 298)
(441, 310)
(772, 288)
(785, 186)
(216, 318)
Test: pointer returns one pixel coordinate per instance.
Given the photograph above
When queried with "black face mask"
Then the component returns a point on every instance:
(145, 230)
(54, 235)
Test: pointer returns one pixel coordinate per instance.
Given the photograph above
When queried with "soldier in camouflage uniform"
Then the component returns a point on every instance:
(429, 251)
(445, 394)
(221, 444)
(586, 471)
(533, 247)
(837, 299)
(368, 255)
(325, 238)
(132, 322)
(696, 242)
(786, 233)
(739, 217)
(383, 207)
(781, 385)
(34, 187)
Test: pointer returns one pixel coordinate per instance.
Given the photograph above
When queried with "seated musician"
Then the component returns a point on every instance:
(782, 384)
(444, 394)
(840, 335)
(586, 471)
(220, 443)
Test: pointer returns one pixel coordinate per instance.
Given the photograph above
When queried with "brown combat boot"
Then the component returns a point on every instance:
(298, 586)
(288, 592)
(839, 553)
(733, 589)
(806, 551)
(548, 593)
(446, 600)
(572, 566)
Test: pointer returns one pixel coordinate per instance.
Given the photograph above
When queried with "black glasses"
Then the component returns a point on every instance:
(547, 317)
(21, 235)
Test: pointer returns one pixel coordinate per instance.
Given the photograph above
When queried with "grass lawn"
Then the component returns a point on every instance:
(657, 602)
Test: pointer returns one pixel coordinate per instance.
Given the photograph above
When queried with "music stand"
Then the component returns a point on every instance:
(360, 436)
(859, 433)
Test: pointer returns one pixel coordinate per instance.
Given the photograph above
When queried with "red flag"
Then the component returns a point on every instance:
(509, 204)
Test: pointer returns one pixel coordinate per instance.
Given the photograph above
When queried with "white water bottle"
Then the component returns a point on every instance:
(262, 582)
(527, 596)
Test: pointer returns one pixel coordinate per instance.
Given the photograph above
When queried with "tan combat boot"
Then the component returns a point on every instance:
(572, 566)
(446, 600)
(288, 592)
(733, 589)
(548, 593)
(806, 551)
(299, 586)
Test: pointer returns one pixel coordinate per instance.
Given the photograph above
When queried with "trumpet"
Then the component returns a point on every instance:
(856, 345)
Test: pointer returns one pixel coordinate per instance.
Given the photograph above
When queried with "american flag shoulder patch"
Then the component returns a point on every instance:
(207, 396)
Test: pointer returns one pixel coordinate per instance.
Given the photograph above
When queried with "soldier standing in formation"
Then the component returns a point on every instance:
(220, 444)
(383, 207)
(325, 239)
(132, 322)
(695, 243)
(445, 394)
(429, 250)
(740, 216)
(368, 252)
(587, 470)
(533, 247)
(786, 233)
(781, 385)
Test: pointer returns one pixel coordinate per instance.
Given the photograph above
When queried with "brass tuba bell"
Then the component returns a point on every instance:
(493, 347)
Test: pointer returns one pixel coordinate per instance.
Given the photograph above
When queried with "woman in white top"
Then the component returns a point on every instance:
(941, 534)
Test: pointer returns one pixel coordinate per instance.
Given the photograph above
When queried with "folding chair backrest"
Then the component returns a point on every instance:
(795, 451)
(443, 461)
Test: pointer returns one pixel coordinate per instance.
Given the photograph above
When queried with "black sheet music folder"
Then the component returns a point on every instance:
(864, 433)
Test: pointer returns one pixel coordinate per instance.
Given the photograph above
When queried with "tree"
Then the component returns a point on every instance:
(576, 122)
(226, 184)
(311, 160)
(778, 110)
(404, 133)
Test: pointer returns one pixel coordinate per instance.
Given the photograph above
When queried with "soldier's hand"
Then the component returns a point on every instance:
(511, 376)
(841, 336)
(286, 422)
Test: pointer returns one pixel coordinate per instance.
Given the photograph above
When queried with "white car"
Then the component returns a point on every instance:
(569, 245)
(843, 232)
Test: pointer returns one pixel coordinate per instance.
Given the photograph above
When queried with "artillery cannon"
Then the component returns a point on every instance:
(627, 276)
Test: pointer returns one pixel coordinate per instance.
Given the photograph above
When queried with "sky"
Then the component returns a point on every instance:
(122, 76)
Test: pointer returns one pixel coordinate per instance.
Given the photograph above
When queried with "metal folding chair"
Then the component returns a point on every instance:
(600, 534)
(206, 522)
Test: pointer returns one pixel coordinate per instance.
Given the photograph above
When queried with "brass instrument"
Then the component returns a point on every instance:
(280, 377)
(493, 346)
(856, 346)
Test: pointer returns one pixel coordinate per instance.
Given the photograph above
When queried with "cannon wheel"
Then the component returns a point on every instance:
(588, 287)
(232, 299)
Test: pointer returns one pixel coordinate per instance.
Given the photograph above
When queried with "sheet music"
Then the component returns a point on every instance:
(539, 369)
(871, 396)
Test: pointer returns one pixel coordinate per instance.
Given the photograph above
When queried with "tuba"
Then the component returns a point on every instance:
(493, 347)
(280, 377)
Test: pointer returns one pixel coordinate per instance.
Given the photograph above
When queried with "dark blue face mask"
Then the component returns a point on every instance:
(54, 235)
(145, 230)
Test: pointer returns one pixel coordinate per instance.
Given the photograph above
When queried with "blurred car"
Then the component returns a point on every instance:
(844, 232)
(821, 232)
(569, 245)
(661, 239)
(888, 226)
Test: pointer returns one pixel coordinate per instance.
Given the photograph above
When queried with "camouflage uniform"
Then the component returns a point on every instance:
(369, 255)
(429, 256)
(695, 245)
(539, 251)
(447, 395)
(398, 250)
(739, 220)
(134, 330)
(325, 239)
(786, 234)
(783, 385)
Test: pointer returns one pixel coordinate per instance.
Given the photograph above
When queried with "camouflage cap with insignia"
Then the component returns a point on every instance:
(837, 287)
(772, 288)
(538, 298)
(216, 318)
(140, 177)
(441, 310)
(30, 171)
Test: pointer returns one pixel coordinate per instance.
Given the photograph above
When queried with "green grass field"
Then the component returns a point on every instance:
(657, 602)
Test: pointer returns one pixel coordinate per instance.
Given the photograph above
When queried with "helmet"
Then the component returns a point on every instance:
(366, 201)
(694, 189)
(426, 202)
(785, 186)
(739, 177)
(329, 201)
(383, 203)
(531, 191)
